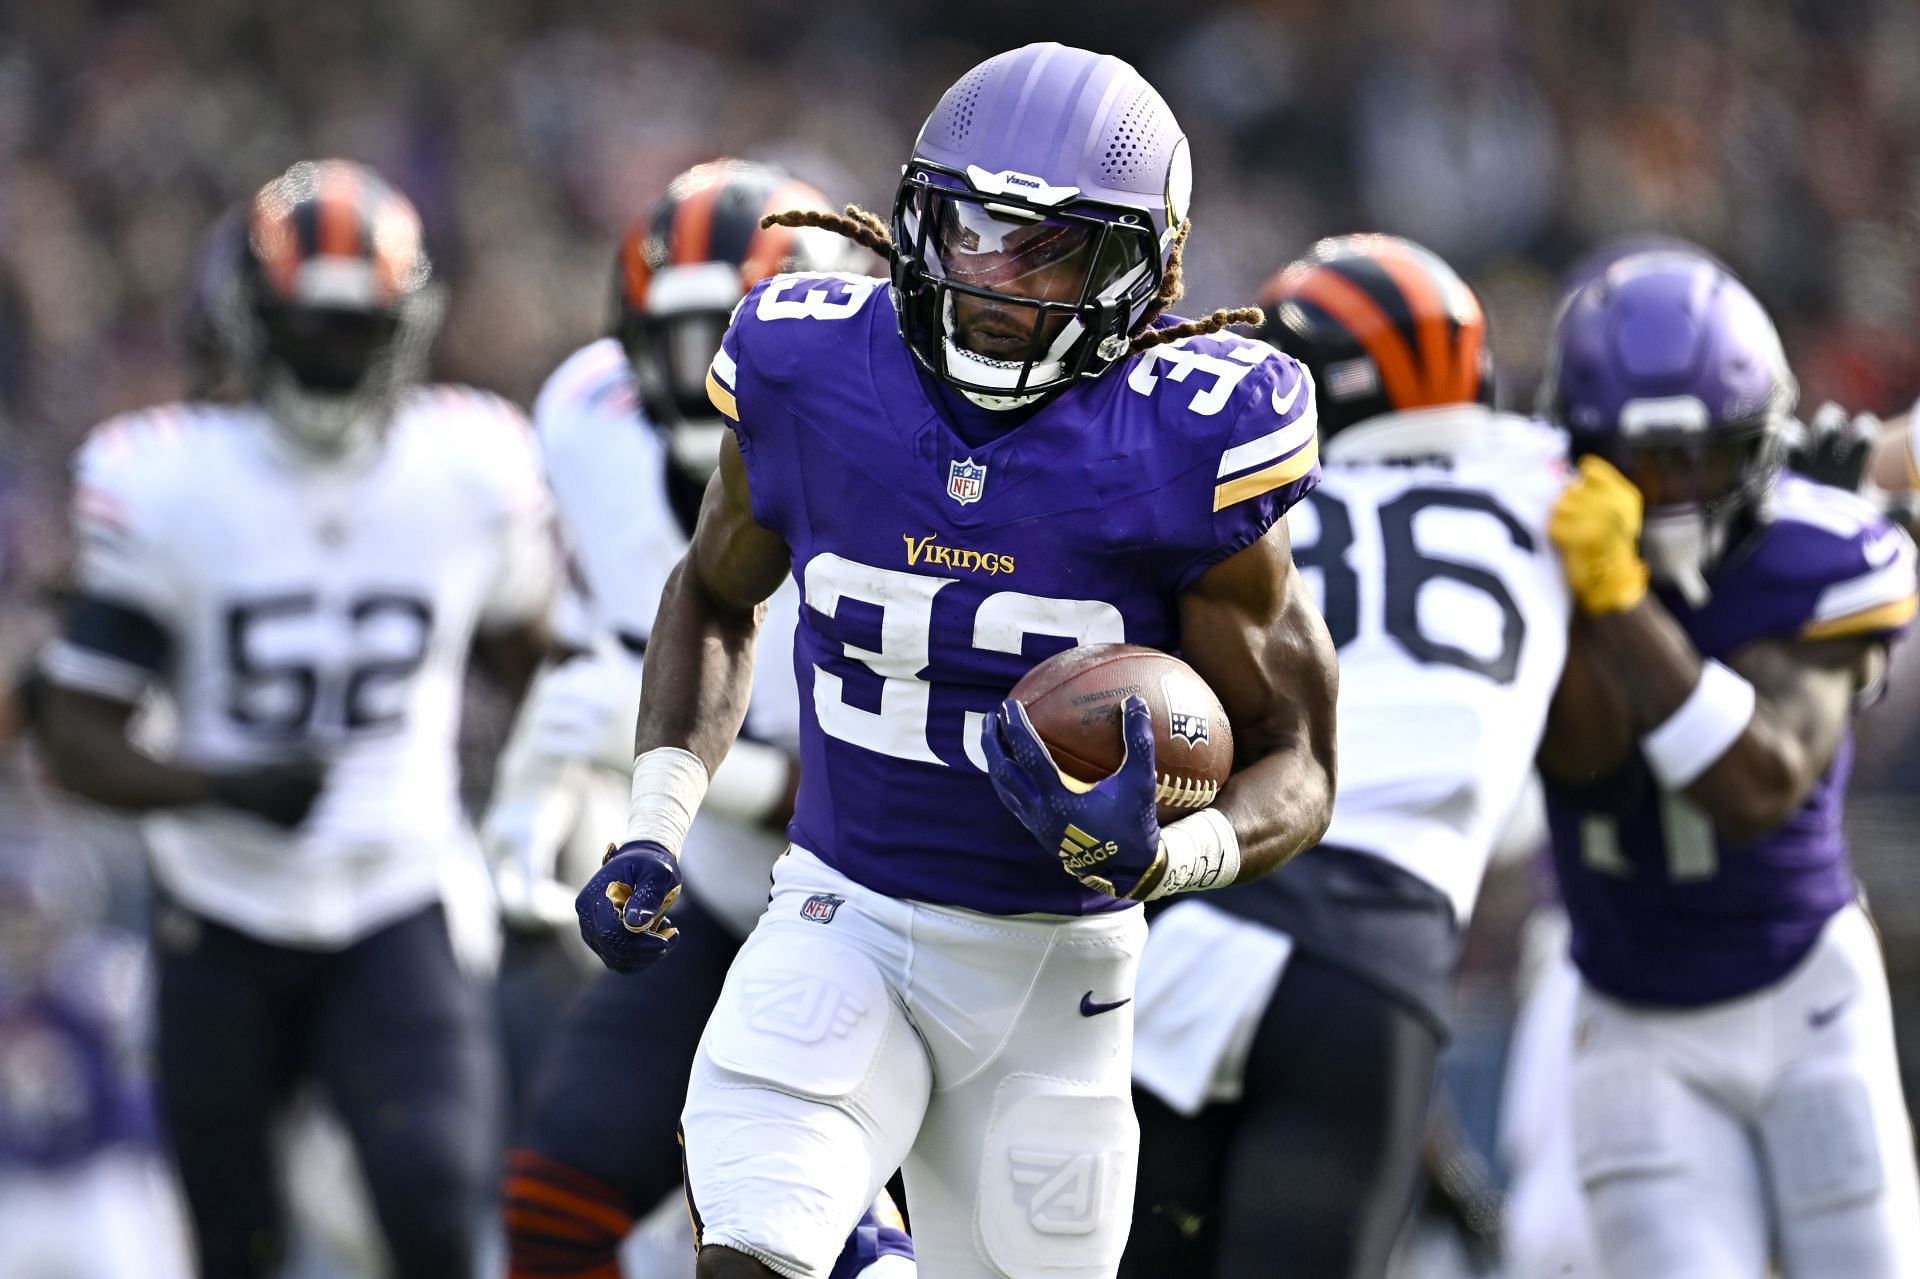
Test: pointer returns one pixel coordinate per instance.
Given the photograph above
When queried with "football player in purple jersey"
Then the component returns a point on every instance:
(1736, 1095)
(629, 440)
(930, 987)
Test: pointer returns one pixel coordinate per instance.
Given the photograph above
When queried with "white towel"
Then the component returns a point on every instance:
(1205, 981)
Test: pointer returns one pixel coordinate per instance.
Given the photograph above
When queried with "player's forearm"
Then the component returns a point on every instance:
(1281, 803)
(1749, 777)
(87, 750)
(699, 671)
(1653, 660)
(1279, 806)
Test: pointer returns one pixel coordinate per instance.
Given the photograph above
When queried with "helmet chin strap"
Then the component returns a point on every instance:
(1680, 545)
(324, 427)
(982, 370)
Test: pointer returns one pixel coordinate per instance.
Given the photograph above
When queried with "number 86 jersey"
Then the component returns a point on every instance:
(936, 572)
(289, 609)
(1426, 545)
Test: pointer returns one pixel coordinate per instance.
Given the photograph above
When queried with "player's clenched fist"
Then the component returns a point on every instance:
(1596, 527)
(623, 908)
(1105, 833)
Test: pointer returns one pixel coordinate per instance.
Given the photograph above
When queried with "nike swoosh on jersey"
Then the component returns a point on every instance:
(1088, 1008)
(1882, 548)
(1285, 406)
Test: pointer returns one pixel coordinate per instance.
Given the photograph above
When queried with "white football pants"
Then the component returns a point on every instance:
(1701, 1134)
(987, 1055)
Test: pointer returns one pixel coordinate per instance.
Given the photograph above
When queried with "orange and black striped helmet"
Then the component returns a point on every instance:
(339, 282)
(1383, 325)
(332, 234)
(683, 268)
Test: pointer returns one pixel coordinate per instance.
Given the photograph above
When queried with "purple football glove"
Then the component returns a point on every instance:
(1105, 833)
(623, 908)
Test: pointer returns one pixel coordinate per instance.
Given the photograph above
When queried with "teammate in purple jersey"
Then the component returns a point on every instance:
(1736, 1094)
(1009, 451)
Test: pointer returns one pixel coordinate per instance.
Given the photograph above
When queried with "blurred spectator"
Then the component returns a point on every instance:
(83, 1189)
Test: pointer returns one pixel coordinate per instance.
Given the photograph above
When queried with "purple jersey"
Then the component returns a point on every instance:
(1663, 910)
(936, 573)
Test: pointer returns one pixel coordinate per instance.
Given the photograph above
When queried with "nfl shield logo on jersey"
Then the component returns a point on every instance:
(820, 907)
(966, 481)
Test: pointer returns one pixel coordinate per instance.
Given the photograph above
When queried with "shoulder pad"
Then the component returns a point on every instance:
(1856, 568)
(1249, 408)
(594, 381)
(147, 450)
(483, 435)
(801, 306)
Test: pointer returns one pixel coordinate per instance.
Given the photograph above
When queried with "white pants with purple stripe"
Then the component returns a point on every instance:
(988, 1056)
(1707, 1138)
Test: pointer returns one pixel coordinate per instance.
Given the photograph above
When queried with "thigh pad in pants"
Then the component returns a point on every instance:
(1821, 1142)
(1627, 1112)
(803, 1014)
(1056, 1178)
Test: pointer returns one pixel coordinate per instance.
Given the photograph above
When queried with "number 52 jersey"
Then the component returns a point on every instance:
(936, 572)
(288, 610)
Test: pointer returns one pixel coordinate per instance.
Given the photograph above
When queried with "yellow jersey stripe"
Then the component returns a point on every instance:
(722, 398)
(1880, 618)
(1264, 481)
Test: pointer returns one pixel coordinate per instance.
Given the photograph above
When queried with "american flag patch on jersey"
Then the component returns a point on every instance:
(820, 907)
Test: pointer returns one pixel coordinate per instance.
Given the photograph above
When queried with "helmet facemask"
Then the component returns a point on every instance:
(1009, 300)
(1701, 491)
(671, 344)
(330, 378)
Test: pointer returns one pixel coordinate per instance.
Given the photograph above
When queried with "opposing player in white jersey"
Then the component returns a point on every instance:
(303, 575)
(1288, 1029)
(629, 440)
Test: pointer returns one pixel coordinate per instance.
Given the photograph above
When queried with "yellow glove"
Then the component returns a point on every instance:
(1596, 526)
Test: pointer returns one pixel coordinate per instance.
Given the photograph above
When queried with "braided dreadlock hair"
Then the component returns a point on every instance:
(867, 229)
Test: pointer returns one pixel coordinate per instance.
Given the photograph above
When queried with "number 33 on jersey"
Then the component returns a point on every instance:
(936, 573)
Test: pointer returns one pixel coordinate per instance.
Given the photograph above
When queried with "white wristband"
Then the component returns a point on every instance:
(1687, 742)
(668, 785)
(1202, 852)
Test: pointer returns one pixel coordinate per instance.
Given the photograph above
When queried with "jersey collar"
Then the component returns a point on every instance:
(1394, 437)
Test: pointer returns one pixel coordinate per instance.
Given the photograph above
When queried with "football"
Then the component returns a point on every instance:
(1074, 699)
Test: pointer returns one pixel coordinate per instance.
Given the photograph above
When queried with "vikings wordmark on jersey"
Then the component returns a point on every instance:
(1110, 500)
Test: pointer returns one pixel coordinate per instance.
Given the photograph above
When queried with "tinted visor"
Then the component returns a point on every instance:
(329, 349)
(997, 248)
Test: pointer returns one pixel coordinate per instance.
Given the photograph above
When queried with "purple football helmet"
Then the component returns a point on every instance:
(1669, 368)
(1034, 222)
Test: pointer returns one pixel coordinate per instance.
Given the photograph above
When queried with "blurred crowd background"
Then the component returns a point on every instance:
(1509, 136)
